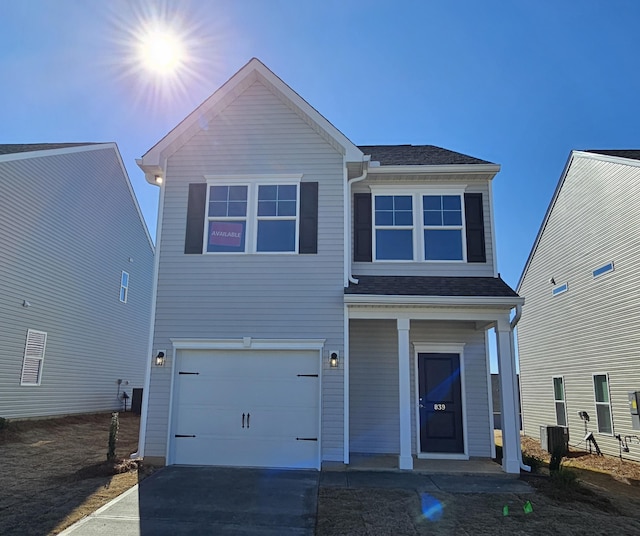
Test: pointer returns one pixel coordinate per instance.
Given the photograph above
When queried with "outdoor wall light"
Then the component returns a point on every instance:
(333, 359)
(160, 359)
(158, 179)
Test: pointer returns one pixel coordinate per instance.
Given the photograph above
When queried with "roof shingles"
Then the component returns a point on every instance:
(431, 286)
(416, 155)
(14, 148)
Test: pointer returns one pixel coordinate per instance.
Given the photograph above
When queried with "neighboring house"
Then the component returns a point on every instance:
(76, 265)
(316, 300)
(578, 338)
(495, 390)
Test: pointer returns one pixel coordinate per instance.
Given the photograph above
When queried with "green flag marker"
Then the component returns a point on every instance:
(527, 507)
(505, 510)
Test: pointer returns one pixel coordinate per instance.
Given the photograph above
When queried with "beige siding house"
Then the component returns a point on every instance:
(578, 336)
(76, 267)
(316, 300)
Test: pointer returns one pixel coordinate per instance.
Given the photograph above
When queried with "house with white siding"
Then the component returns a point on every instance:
(317, 301)
(578, 338)
(76, 266)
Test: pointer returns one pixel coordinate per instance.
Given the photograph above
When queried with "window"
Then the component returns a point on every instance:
(394, 227)
(603, 403)
(33, 357)
(252, 218)
(558, 395)
(442, 227)
(124, 287)
(560, 289)
(438, 219)
(603, 270)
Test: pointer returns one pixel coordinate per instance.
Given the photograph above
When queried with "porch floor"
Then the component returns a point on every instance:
(389, 462)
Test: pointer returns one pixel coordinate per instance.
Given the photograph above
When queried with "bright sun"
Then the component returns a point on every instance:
(161, 52)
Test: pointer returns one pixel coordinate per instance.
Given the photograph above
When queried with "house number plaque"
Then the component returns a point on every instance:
(439, 407)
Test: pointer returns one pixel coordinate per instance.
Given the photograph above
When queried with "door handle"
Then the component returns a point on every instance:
(248, 417)
(243, 420)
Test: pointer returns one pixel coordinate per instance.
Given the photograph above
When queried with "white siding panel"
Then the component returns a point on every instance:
(68, 226)
(592, 328)
(260, 296)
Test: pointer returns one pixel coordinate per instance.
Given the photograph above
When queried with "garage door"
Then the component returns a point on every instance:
(248, 408)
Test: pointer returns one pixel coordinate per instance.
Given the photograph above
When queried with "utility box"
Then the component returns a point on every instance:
(555, 438)
(634, 404)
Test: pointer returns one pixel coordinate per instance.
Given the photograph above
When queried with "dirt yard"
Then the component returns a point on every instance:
(53, 473)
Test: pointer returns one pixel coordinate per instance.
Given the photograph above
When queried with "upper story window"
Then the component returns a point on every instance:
(605, 269)
(559, 289)
(252, 218)
(418, 227)
(124, 287)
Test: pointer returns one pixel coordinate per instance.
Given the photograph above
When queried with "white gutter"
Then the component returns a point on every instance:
(348, 240)
(513, 324)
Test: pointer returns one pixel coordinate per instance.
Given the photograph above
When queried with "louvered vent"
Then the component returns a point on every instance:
(33, 357)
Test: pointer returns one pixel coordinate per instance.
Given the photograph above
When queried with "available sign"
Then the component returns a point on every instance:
(224, 233)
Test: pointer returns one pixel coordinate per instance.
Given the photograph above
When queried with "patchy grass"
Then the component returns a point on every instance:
(54, 470)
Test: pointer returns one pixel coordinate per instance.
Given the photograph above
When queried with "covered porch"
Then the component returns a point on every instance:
(417, 379)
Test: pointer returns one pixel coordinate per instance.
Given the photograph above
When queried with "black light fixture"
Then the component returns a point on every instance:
(158, 179)
(160, 359)
(333, 359)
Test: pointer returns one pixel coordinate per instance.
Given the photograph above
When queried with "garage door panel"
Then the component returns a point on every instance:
(279, 389)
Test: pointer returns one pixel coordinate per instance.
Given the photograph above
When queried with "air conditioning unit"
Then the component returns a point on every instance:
(555, 438)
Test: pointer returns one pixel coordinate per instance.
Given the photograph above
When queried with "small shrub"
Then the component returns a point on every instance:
(564, 479)
(533, 461)
(113, 437)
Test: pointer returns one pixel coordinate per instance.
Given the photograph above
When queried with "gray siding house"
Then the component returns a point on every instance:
(316, 301)
(578, 338)
(76, 266)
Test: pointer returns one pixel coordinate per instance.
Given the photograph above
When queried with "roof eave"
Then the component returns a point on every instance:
(442, 169)
(473, 301)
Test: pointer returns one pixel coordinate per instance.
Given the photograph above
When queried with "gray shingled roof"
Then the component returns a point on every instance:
(416, 155)
(430, 286)
(633, 154)
(13, 148)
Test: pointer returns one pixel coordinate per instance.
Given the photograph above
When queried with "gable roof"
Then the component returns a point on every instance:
(13, 148)
(630, 154)
(417, 155)
(153, 160)
(431, 286)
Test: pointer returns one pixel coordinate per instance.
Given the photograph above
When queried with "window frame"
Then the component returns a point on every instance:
(608, 403)
(559, 289)
(375, 228)
(603, 269)
(124, 287)
(562, 401)
(418, 227)
(253, 183)
(39, 358)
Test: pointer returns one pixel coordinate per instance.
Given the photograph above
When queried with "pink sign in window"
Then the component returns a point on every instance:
(222, 233)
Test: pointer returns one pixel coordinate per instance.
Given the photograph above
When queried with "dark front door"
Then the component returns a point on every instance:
(440, 403)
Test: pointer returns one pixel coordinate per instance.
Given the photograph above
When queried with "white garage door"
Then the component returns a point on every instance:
(248, 408)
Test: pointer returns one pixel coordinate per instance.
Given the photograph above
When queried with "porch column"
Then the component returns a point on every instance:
(509, 398)
(405, 460)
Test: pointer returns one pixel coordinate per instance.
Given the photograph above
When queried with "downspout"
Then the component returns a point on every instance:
(512, 325)
(349, 244)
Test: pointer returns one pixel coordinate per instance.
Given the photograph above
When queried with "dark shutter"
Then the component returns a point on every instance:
(308, 240)
(362, 227)
(195, 218)
(474, 220)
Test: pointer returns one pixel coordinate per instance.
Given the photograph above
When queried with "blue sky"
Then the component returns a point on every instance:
(517, 83)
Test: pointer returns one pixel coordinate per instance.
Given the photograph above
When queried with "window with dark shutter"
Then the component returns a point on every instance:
(195, 218)
(474, 224)
(308, 238)
(362, 227)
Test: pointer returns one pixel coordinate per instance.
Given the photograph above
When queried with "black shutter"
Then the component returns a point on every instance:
(195, 218)
(362, 227)
(474, 220)
(308, 239)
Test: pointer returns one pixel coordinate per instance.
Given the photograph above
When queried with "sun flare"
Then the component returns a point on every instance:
(161, 52)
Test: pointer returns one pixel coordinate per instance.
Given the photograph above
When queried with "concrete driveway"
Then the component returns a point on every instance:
(210, 500)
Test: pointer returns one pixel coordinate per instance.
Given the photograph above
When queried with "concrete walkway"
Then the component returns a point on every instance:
(229, 501)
